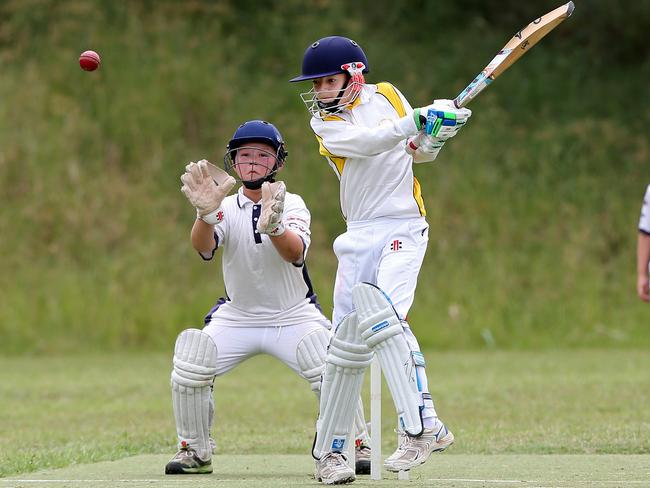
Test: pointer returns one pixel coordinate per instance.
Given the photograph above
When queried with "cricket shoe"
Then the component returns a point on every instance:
(361, 457)
(333, 469)
(414, 451)
(186, 461)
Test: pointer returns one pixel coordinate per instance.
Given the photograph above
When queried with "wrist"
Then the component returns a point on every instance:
(278, 230)
(407, 125)
(212, 218)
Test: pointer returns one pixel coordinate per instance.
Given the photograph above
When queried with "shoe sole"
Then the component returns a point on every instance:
(177, 468)
(343, 481)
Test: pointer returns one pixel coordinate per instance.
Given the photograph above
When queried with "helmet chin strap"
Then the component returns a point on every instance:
(257, 184)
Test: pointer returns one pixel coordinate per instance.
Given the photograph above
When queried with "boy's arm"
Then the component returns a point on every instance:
(345, 139)
(205, 186)
(290, 245)
(642, 262)
(203, 238)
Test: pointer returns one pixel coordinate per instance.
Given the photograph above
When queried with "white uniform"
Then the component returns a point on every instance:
(269, 308)
(380, 197)
(644, 220)
(269, 304)
(381, 200)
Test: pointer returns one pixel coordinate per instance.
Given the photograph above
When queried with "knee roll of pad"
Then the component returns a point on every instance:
(310, 355)
(378, 320)
(195, 359)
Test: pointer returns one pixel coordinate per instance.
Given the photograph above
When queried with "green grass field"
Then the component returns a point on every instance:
(532, 209)
(527, 285)
(583, 413)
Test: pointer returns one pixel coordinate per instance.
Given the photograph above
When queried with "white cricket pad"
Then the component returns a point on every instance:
(347, 359)
(311, 353)
(382, 331)
(360, 426)
(195, 365)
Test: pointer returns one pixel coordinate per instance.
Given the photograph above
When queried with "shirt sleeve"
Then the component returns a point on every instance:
(644, 220)
(298, 219)
(345, 139)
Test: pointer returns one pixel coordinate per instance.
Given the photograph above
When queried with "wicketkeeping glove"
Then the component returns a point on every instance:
(205, 186)
(270, 221)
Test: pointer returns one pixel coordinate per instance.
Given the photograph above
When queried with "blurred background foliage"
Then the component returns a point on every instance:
(533, 209)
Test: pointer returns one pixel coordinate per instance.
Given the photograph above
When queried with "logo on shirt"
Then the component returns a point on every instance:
(396, 245)
(219, 216)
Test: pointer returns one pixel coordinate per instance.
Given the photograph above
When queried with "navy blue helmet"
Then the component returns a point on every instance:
(256, 131)
(326, 56)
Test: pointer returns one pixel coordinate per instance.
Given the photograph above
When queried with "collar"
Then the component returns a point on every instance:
(243, 200)
(364, 97)
(366, 93)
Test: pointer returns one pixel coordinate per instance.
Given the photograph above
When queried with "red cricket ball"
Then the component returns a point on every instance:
(89, 60)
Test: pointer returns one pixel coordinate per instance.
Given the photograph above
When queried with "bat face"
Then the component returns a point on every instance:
(520, 43)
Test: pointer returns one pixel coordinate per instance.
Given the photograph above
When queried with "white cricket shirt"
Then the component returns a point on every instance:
(262, 289)
(364, 144)
(644, 221)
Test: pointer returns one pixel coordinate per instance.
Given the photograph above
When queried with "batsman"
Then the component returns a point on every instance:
(371, 137)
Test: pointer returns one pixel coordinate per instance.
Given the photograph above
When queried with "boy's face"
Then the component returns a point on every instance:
(327, 88)
(254, 160)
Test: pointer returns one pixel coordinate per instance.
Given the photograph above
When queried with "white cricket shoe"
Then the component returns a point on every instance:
(333, 469)
(414, 451)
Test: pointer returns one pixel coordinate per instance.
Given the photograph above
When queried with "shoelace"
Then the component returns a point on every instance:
(331, 460)
(186, 450)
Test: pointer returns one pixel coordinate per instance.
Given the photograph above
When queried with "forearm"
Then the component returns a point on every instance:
(289, 245)
(203, 237)
(643, 254)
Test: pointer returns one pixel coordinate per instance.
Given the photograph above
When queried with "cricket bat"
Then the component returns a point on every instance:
(516, 47)
(519, 45)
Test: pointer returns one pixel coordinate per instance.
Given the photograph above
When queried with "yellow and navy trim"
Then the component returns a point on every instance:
(337, 162)
(389, 92)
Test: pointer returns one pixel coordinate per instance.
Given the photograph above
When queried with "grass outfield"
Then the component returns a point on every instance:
(59, 411)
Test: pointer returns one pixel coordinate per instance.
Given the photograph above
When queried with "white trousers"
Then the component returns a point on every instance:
(236, 344)
(385, 252)
(388, 253)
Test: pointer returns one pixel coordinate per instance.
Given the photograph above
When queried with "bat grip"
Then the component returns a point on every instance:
(461, 105)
